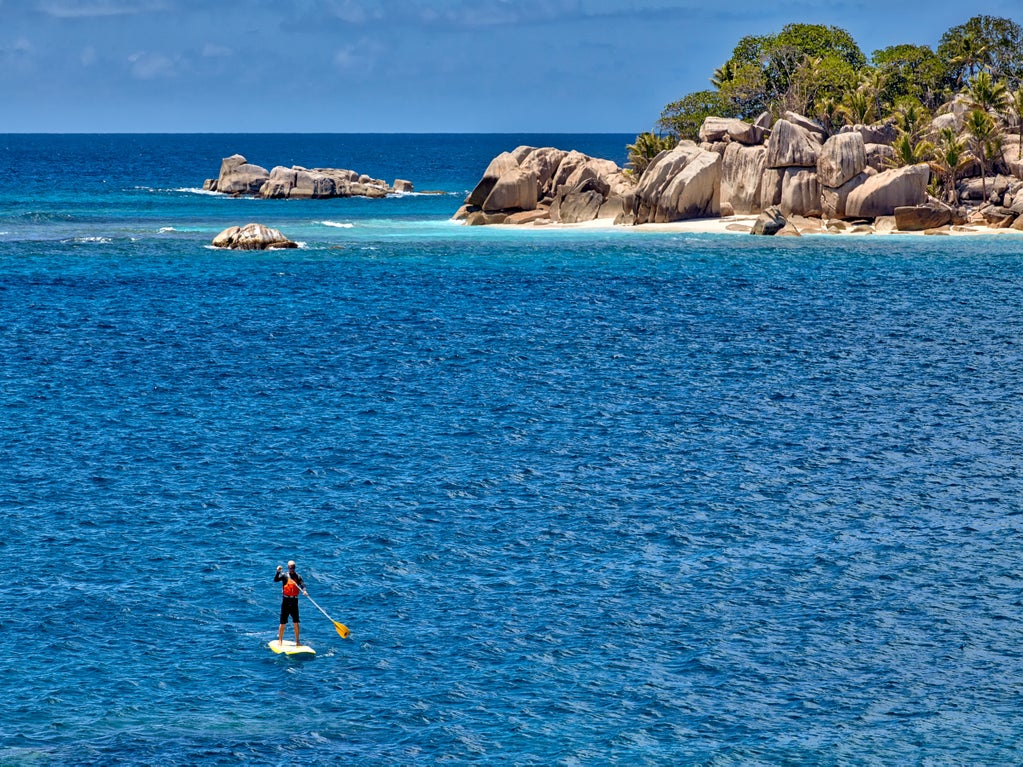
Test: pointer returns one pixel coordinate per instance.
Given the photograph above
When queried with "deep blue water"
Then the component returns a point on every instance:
(582, 497)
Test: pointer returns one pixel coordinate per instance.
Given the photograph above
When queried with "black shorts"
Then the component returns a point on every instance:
(289, 606)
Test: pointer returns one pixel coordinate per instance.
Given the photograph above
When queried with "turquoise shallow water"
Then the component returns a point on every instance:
(581, 497)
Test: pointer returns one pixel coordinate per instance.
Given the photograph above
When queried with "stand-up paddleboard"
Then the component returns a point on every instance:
(287, 647)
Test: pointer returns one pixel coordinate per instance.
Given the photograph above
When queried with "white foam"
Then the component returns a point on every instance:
(91, 240)
(337, 224)
(199, 190)
(165, 229)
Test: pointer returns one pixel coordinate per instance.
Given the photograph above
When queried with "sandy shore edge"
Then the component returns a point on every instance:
(743, 225)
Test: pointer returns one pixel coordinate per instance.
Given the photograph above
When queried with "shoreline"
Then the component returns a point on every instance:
(743, 224)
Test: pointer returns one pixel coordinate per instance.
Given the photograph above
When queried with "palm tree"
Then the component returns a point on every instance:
(987, 93)
(647, 147)
(857, 107)
(872, 83)
(912, 118)
(722, 75)
(909, 151)
(950, 159)
(984, 140)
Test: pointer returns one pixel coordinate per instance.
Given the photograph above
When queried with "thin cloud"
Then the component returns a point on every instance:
(151, 66)
(70, 9)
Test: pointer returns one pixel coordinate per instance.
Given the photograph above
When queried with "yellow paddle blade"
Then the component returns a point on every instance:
(342, 629)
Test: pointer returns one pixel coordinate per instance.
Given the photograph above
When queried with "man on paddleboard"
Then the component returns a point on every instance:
(293, 585)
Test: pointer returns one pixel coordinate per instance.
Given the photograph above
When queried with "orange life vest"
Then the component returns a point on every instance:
(290, 588)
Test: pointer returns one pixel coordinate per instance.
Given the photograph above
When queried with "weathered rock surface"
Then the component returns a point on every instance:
(770, 221)
(877, 133)
(976, 188)
(842, 158)
(742, 170)
(516, 189)
(800, 192)
(239, 177)
(564, 186)
(500, 165)
(812, 127)
(580, 203)
(717, 129)
(791, 146)
(681, 184)
(545, 162)
(880, 195)
(833, 199)
(917, 218)
(252, 237)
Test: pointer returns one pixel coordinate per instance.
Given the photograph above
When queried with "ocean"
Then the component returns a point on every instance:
(582, 497)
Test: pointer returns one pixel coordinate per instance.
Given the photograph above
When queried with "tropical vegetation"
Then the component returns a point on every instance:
(975, 72)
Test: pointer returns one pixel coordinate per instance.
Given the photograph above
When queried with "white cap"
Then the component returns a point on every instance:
(291, 563)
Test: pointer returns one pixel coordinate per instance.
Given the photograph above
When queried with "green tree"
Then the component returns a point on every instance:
(745, 91)
(646, 148)
(818, 41)
(817, 80)
(984, 141)
(682, 119)
(771, 63)
(913, 71)
(984, 42)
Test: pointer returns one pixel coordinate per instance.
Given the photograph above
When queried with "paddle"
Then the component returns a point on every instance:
(342, 629)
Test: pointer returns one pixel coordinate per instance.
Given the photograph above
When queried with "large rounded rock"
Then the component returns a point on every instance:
(742, 171)
(681, 184)
(917, 218)
(544, 162)
(252, 237)
(238, 176)
(833, 199)
(500, 165)
(312, 185)
(800, 193)
(842, 157)
(810, 126)
(516, 189)
(880, 195)
(791, 146)
(716, 129)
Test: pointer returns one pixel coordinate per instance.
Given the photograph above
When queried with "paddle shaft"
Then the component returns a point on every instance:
(341, 628)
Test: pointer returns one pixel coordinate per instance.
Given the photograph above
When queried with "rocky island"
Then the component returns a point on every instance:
(240, 177)
(946, 156)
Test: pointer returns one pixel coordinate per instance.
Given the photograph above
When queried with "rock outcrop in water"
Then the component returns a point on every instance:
(239, 177)
(545, 184)
(252, 237)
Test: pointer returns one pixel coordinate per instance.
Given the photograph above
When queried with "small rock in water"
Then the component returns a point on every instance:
(252, 237)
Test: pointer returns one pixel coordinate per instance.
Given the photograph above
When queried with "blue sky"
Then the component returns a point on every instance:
(396, 65)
